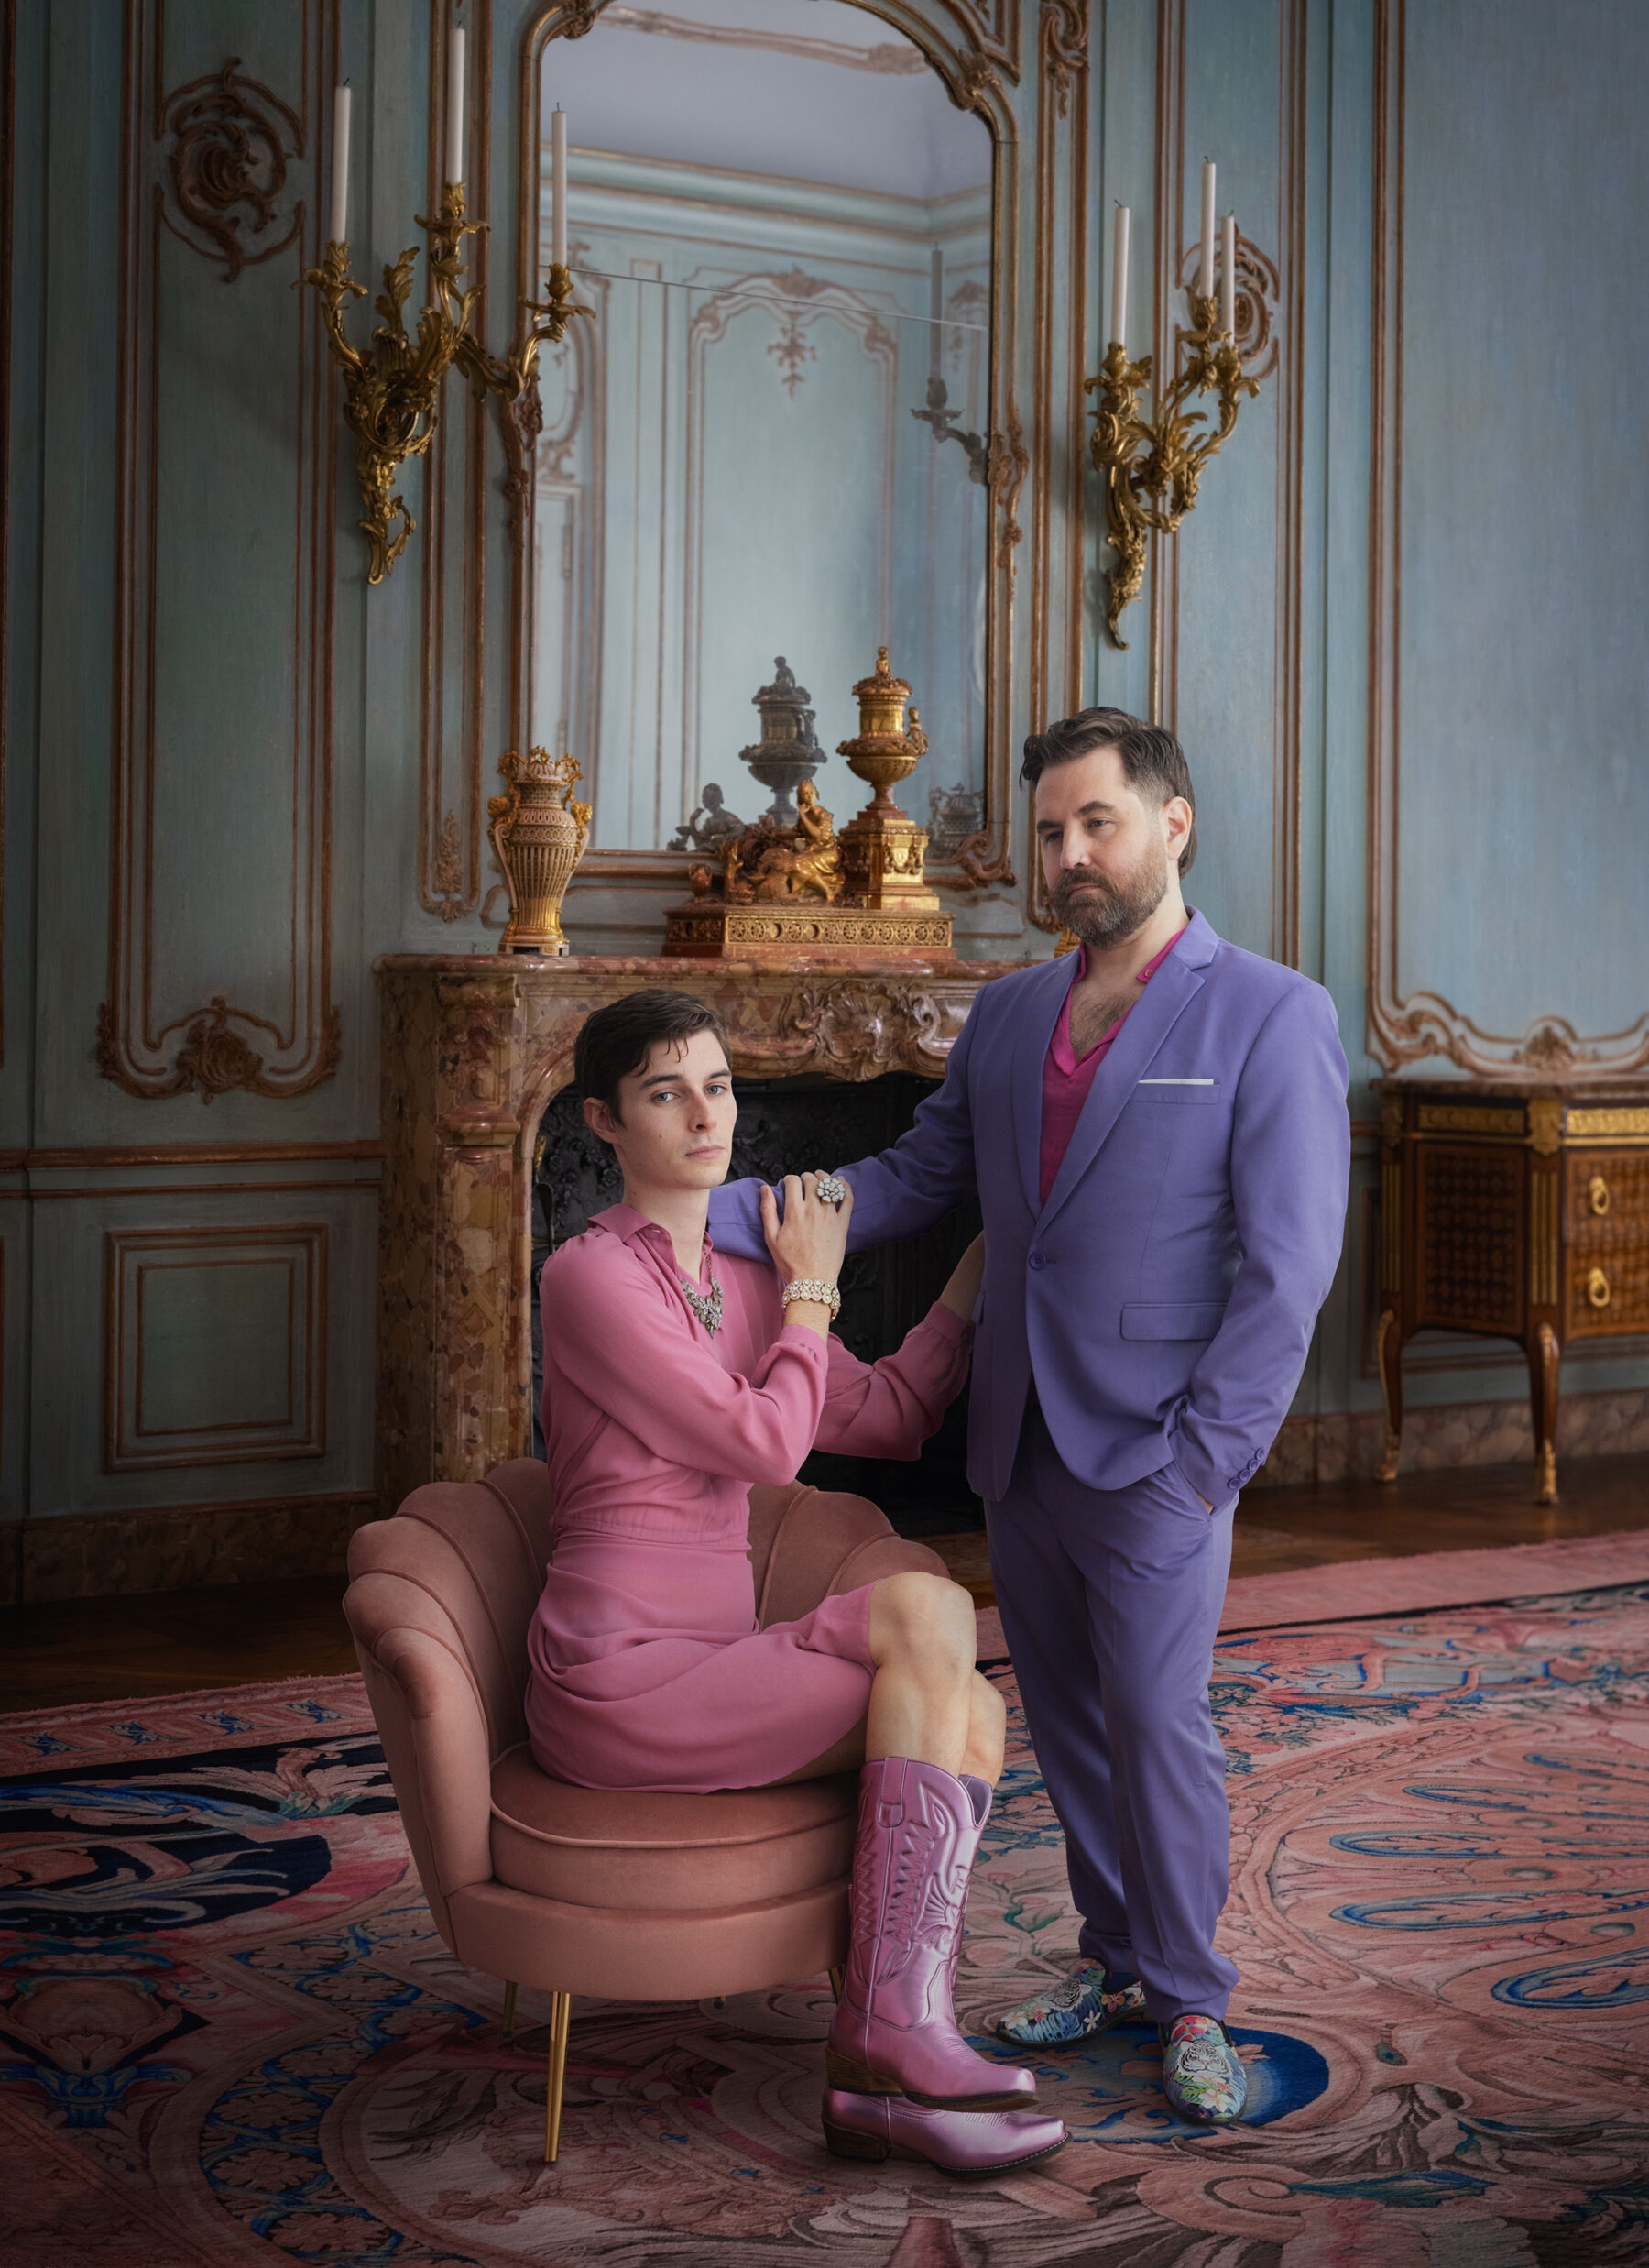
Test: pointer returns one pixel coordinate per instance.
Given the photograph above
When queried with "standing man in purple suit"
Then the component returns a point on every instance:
(1156, 1127)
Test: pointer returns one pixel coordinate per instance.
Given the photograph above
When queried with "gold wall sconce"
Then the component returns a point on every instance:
(1152, 467)
(392, 389)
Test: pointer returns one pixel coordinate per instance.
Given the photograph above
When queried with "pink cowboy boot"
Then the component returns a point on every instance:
(968, 2143)
(894, 2032)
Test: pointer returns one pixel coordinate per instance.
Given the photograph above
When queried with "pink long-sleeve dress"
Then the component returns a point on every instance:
(648, 1668)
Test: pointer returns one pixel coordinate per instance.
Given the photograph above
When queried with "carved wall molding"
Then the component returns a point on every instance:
(284, 1414)
(1277, 295)
(795, 300)
(884, 61)
(8, 146)
(1064, 45)
(975, 49)
(213, 1058)
(1058, 492)
(1411, 1027)
(288, 1042)
(228, 167)
(453, 848)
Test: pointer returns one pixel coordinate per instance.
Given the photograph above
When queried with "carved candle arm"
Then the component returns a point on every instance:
(1153, 468)
(941, 418)
(515, 373)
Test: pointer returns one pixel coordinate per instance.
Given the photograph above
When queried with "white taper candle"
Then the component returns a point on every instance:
(1118, 307)
(558, 186)
(340, 166)
(1205, 279)
(454, 117)
(935, 311)
(1228, 276)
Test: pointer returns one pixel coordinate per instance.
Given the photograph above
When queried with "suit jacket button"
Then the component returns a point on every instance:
(1039, 1260)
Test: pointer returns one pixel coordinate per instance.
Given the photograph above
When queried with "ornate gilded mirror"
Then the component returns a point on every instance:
(769, 450)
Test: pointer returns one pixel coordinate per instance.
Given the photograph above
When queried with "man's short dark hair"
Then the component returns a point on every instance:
(615, 1040)
(1152, 760)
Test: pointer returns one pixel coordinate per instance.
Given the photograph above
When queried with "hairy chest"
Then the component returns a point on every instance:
(1092, 1016)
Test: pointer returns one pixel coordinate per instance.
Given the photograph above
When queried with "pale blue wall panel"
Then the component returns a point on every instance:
(1524, 810)
(106, 1431)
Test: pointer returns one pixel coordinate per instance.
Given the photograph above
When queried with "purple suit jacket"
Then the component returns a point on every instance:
(1163, 1298)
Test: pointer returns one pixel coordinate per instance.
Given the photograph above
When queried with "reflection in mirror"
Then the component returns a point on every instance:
(763, 459)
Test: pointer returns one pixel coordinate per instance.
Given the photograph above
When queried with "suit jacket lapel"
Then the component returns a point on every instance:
(1160, 1006)
(1045, 998)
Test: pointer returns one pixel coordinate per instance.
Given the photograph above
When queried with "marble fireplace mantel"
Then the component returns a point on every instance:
(473, 1047)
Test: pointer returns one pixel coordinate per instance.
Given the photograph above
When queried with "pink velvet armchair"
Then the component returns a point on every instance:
(569, 1890)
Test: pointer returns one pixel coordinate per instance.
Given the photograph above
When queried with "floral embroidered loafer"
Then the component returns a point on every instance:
(1202, 2073)
(1076, 2009)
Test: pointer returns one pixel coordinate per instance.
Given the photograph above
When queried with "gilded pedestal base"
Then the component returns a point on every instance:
(710, 929)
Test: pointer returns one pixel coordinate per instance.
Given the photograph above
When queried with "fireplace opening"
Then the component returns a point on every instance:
(789, 1125)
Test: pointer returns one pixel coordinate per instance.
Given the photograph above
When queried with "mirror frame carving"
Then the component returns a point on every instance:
(974, 50)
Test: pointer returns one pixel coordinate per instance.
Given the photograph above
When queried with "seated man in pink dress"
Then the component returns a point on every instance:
(674, 1380)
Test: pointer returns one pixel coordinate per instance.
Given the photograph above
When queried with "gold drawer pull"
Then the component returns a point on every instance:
(1597, 1195)
(1597, 1289)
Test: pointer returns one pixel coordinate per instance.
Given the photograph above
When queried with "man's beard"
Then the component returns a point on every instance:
(1111, 912)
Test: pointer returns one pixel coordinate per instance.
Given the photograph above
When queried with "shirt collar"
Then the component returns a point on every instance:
(633, 1227)
(1144, 975)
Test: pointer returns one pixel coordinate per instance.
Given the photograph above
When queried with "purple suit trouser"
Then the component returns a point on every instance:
(1110, 1603)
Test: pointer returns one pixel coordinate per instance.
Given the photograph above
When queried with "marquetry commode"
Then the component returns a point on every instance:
(1520, 1211)
(473, 1047)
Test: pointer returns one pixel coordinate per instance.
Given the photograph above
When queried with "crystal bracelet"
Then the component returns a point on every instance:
(810, 1289)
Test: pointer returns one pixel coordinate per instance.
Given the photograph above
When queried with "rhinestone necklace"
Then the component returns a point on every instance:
(707, 1308)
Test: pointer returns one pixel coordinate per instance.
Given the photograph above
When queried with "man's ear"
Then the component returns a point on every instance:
(1176, 817)
(598, 1118)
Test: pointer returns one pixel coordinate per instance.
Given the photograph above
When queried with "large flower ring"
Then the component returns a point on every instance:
(829, 1189)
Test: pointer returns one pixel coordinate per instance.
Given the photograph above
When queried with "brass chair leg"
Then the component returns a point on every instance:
(509, 1993)
(835, 1983)
(560, 2018)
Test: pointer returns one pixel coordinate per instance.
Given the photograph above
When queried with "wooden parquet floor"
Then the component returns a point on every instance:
(175, 1641)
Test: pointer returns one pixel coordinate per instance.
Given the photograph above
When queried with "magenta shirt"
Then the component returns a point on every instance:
(1066, 1082)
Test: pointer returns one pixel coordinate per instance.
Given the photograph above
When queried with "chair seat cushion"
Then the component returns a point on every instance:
(589, 1846)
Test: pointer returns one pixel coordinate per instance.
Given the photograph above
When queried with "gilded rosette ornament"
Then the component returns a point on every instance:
(539, 832)
(1152, 467)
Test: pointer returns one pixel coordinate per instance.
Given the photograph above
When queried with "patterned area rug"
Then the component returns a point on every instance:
(228, 2032)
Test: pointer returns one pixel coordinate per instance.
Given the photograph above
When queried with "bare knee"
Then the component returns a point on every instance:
(923, 1619)
(987, 1730)
(989, 1711)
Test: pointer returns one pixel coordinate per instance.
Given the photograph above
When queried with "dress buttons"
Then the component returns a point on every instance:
(1039, 1260)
